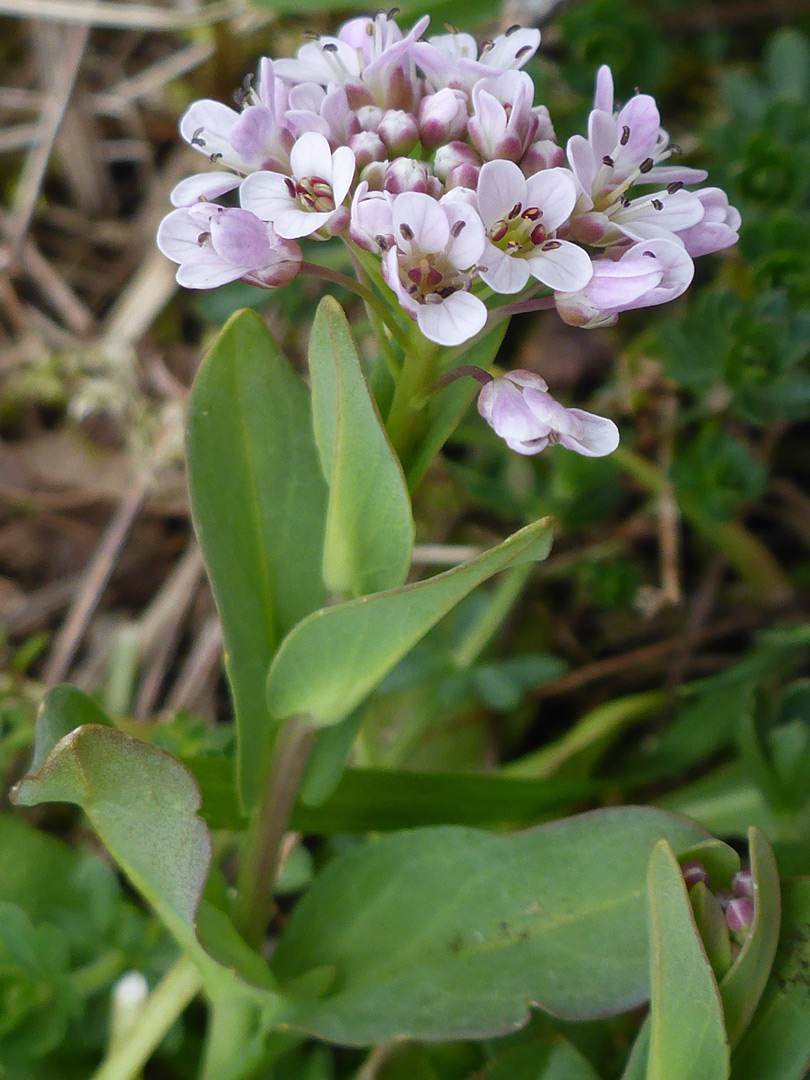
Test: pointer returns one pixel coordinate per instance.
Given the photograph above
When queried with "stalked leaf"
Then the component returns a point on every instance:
(687, 1035)
(369, 522)
(451, 933)
(335, 657)
(259, 502)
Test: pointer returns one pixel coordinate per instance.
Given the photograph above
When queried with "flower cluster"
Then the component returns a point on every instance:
(432, 157)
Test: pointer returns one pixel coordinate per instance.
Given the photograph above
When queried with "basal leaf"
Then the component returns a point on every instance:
(450, 933)
(335, 657)
(259, 502)
(540, 1059)
(776, 1044)
(687, 1035)
(369, 522)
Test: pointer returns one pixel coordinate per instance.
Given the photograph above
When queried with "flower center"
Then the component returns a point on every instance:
(312, 193)
(430, 279)
(520, 232)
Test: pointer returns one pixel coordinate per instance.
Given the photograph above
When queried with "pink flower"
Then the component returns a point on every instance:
(215, 245)
(519, 408)
(521, 218)
(309, 201)
(452, 59)
(431, 264)
(503, 123)
(646, 274)
(717, 229)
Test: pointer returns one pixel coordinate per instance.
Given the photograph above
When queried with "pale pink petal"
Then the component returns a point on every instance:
(240, 238)
(216, 121)
(603, 97)
(504, 273)
(454, 320)
(178, 235)
(390, 273)
(675, 174)
(554, 191)
(641, 116)
(467, 238)
(343, 165)
(292, 223)
(621, 284)
(203, 186)
(208, 271)
(561, 265)
(501, 185)
(505, 48)
(425, 219)
(603, 134)
(311, 156)
(265, 194)
(522, 377)
(583, 161)
(504, 408)
(596, 435)
(251, 134)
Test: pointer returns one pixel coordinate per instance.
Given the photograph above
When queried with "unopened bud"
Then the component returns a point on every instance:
(740, 914)
(542, 154)
(742, 884)
(369, 117)
(693, 872)
(399, 131)
(442, 117)
(374, 175)
(367, 146)
(405, 174)
(451, 156)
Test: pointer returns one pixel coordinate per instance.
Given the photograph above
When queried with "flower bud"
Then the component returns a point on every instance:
(399, 131)
(405, 174)
(374, 175)
(369, 117)
(740, 914)
(367, 146)
(442, 117)
(451, 156)
(542, 154)
(463, 176)
(742, 884)
(693, 872)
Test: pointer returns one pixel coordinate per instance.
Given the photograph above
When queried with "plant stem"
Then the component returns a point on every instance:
(498, 606)
(166, 1002)
(406, 416)
(260, 859)
(94, 977)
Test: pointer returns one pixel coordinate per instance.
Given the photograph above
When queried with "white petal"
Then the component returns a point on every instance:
(583, 161)
(208, 271)
(602, 134)
(501, 185)
(265, 194)
(215, 119)
(522, 377)
(292, 223)
(343, 166)
(566, 268)
(603, 96)
(178, 234)
(596, 435)
(454, 320)
(203, 186)
(554, 191)
(311, 156)
(504, 273)
(466, 248)
(425, 219)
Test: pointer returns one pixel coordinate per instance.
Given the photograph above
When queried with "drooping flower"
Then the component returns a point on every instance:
(519, 408)
(309, 201)
(216, 244)
(431, 264)
(646, 274)
(521, 217)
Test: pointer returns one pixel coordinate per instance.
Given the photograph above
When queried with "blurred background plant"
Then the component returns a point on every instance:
(660, 655)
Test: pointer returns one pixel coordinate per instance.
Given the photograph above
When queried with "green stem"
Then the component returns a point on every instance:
(94, 977)
(259, 865)
(166, 1002)
(406, 416)
(498, 606)
(744, 551)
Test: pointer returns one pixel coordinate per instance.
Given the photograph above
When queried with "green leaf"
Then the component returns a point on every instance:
(369, 523)
(540, 1059)
(776, 1045)
(335, 657)
(258, 501)
(787, 63)
(450, 933)
(742, 986)
(687, 1035)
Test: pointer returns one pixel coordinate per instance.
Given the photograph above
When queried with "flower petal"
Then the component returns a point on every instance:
(207, 271)
(505, 274)
(554, 191)
(312, 156)
(454, 320)
(467, 239)
(265, 194)
(205, 186)
(240, 238)
(501, 185)
(343, 166)
(561, 265)
(426, 226)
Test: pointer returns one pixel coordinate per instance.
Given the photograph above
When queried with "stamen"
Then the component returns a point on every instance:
(625, 139)
(532, 213)
(538, 235)
(290, 187)
(674, 148)
(608, 160)
(512, 30)
(552, 245)
(450, 28)
(658, 204)
(330, 47)
(406, 231)
(382, 243)
(202, 238)
(486, 46)
(625, 201)
(523, 51)
(649, 254)
(196, 140)
(369, 29)
(646, 165)
(513, 213)
(393, 12)
(457, 228)
(214, 158)
(498, 231)
(676, 185)
(311, 35)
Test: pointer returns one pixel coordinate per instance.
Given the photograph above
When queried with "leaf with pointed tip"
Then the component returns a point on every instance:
(742, 986)
(687, 1034)
(450, 933)
(335, 657)
(369, 523)
(776, 1044)
(259, 502)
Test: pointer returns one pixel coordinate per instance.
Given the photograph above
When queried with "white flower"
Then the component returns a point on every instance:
(452, 59)
(519, 408)
(521, 218)
(431, 265)
(309, 201)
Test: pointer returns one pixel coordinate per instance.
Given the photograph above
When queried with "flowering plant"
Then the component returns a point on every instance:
(429, 160)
